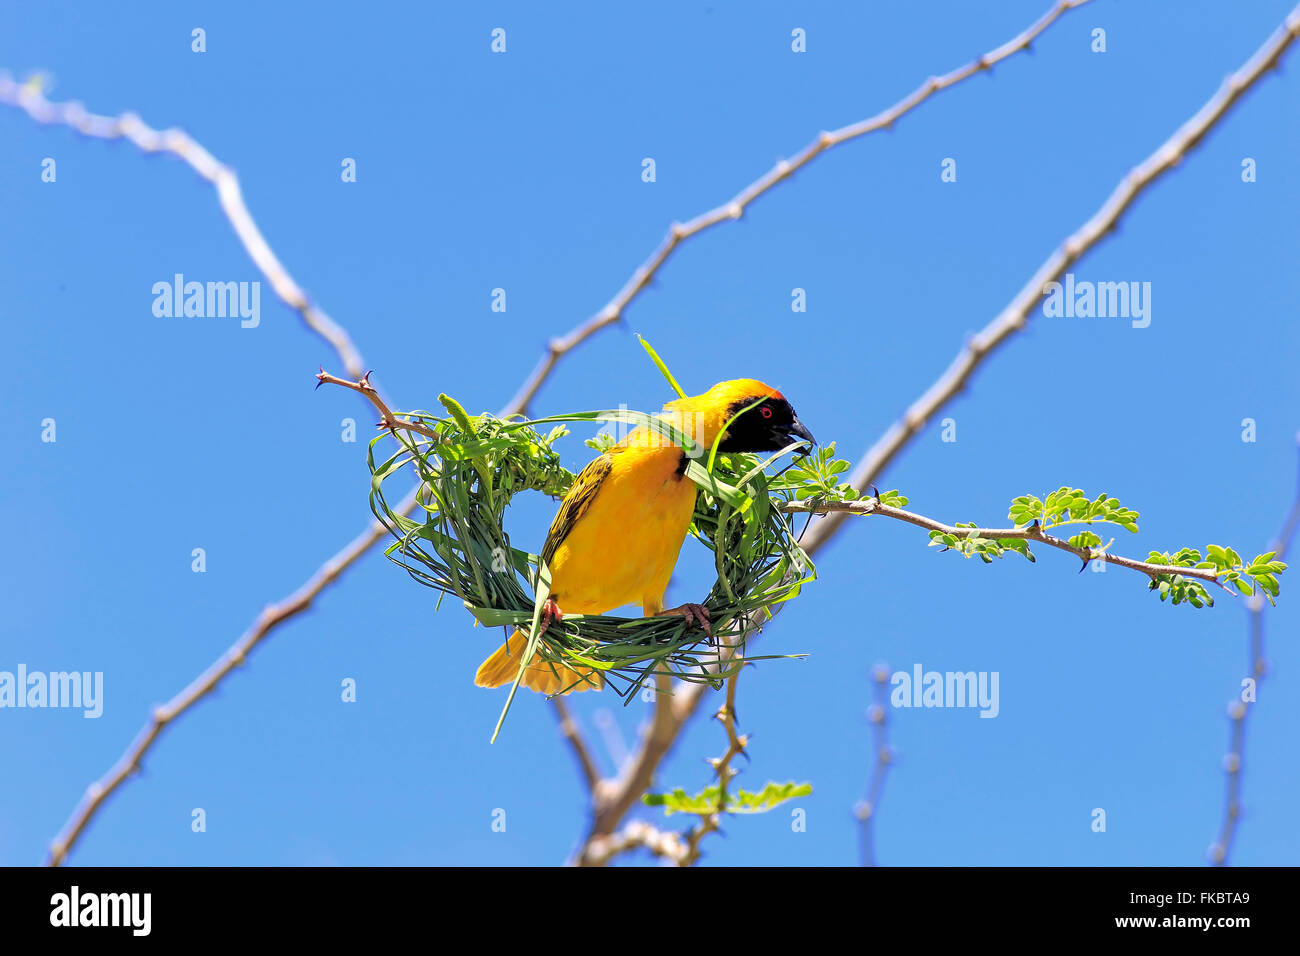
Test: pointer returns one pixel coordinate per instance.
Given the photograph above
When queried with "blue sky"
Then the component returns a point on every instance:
(522, 171)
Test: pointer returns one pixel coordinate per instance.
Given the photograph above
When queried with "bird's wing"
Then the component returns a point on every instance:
(576, 503)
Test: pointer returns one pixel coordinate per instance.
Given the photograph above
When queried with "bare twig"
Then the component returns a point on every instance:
(872, 506)
(569, 728)
(393, 421)
(1012, 319)
(673, 708)
(734, 208)
(662, 843)
(866, 809)
(204, 684)
(722, 769)
(617, 797)
(99, 791)
(29, 98)
(1240, 708)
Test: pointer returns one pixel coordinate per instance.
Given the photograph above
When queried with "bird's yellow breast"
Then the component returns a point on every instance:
(623, 548)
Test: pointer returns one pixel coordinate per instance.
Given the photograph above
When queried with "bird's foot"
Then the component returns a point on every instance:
(550, 612)
(694, 614)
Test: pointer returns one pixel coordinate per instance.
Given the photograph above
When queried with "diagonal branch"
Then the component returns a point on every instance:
(163, 716)
(617, 797)
(569, 728)
(29, 98)
(734, 208)
(207, 682)
(1239, 710)
(270, 618)
(1013, 318)
(671, 714)
(1033, 532)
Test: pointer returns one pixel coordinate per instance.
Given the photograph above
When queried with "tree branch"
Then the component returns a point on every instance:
(164, 715)
(662, 843)
(617, 797)
(1238, 711)
(722, 768)
(569, 728)
(393, 421)
(878, 715)
(1013, 318)
(29, 98)
(734, 208)
(872, 506)
(670, 715)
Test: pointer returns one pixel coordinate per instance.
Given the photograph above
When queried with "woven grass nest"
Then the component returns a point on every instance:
(477, 464)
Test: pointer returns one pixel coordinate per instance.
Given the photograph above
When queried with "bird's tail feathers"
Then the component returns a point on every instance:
(546, 677)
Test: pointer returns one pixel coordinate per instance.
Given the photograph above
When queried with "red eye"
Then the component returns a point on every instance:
(765, 411)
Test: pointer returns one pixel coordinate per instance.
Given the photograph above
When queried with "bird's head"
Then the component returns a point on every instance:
(751, 416)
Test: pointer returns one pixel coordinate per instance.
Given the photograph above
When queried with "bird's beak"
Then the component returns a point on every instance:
(798, 429)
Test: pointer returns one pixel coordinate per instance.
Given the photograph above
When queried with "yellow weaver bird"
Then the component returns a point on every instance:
(618, 532)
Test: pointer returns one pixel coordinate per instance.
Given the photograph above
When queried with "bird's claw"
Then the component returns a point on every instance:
(550, 612)
(694, 614)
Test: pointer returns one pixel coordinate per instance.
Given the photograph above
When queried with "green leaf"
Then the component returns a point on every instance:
(457, 413)
(706, 801)
(659, 364)
(1086, 539)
